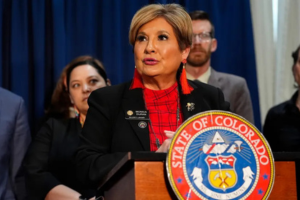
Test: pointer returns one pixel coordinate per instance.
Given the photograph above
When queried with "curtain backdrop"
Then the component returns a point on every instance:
(273, 54)
(288, 40)
(39, 37)
(265, 52)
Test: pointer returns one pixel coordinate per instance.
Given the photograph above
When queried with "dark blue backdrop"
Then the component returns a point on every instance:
(39, 37)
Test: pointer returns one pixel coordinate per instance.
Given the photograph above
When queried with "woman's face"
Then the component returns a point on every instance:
(297, 70)
(83, 80)
(156, 50)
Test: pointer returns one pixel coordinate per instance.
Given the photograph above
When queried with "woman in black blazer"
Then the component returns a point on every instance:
(282, 124)
(142, 115)
(49, 162)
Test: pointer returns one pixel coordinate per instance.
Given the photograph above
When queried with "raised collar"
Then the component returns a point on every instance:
(137, 82)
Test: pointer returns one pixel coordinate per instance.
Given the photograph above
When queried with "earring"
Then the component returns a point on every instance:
(76, 111)
(185, 87)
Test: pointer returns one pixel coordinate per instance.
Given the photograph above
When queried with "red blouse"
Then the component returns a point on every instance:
(162, 106)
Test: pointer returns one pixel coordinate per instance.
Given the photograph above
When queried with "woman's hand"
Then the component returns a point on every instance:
(62, 192)
(166, 144)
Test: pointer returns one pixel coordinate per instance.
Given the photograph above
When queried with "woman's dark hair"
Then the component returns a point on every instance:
(60, 101)
(295, 55)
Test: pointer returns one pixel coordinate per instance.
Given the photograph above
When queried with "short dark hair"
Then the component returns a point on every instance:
(295, 55)
(202, 15)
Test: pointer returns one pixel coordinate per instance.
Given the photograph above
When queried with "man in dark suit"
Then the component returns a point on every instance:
(14, 140)
(198, 67)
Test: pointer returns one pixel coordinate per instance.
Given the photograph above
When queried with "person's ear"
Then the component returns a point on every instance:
(214, 45)
(108, 83)
(185, 53)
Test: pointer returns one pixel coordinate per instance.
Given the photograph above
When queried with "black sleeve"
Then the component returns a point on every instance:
(94, 158)
(39, 180)
(270, 130)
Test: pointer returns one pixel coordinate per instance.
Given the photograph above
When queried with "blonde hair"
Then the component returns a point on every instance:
(174, 14)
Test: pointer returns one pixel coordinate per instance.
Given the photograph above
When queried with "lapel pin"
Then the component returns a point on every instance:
(142, 124)
(129, 112)
(190, 106)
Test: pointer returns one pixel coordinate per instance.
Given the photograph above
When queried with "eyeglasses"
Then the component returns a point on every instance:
(201, 37)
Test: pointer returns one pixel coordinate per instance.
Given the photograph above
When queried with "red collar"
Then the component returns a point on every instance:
(137, 82)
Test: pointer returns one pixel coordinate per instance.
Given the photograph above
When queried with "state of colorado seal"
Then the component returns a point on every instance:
(219, 155)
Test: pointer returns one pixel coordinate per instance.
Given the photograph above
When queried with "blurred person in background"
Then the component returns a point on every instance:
(198, 67)
(14, 141)
(49, 161)
(282, 124)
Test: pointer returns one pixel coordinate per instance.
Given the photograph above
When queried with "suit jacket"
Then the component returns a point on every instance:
(14, 140)
(49, 161)
(235, 91)
(107, 135)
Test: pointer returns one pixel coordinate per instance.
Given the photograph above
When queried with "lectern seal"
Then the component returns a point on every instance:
(220, 155)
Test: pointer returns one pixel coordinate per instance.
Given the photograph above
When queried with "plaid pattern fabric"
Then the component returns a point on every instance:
(162, 106)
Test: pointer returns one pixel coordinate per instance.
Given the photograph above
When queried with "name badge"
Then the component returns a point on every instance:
(137, 115)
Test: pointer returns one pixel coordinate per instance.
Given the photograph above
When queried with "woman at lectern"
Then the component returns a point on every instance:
(49, 161)
(282, 124)
(142, 115)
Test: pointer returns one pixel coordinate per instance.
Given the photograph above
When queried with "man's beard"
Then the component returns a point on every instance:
(198, 60)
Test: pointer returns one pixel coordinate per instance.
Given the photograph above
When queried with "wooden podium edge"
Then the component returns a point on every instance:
(127, 163)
